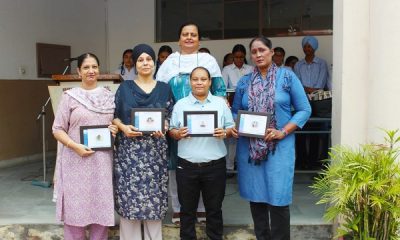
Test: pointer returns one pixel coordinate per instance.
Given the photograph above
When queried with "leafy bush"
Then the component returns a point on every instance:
(362, 187)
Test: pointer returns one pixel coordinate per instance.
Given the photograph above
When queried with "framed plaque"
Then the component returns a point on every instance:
(252, 124)
(200, 123)
(148, 120)
(97, 137)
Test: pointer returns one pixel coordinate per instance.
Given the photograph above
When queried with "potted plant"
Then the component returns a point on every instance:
(361, 186)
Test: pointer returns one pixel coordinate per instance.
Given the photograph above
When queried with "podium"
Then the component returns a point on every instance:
(65, 82)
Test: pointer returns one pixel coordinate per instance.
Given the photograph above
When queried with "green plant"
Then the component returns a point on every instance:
(362, 187)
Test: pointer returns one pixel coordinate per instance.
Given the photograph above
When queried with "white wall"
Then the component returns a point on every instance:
(80, 24)
(366, 88)
(131, 23)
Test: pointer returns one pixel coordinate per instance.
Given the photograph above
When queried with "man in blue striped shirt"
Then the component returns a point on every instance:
(312, 71)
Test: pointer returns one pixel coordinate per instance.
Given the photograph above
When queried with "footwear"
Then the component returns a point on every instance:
(176, 218)
(201, 217)
(230, 175)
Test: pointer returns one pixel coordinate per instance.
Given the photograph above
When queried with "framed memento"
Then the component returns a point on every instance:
(200, 123)
(252, 124)
(148, 120)
(97, 137)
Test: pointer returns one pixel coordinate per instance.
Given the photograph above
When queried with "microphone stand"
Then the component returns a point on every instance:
(42, 114)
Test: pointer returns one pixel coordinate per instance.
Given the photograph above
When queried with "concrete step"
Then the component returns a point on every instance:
(170, 232)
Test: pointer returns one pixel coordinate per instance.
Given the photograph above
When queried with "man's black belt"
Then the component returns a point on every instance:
(199, 164)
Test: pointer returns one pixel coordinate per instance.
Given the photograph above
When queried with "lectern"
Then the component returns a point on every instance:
(65, 82)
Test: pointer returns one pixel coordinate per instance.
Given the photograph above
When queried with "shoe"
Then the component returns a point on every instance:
(176, 218)
(201, 217)
(230, 175)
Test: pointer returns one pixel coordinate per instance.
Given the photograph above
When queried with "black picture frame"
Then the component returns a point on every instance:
(257, 125)
(152, 113)
(102, 132)
(188, 120)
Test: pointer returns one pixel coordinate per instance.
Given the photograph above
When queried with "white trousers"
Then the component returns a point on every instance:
(230, 157)
(131, 229)
(173, 194)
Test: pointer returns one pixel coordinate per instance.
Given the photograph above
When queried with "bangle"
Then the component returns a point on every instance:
(68, 143)
(224, 133)
(285, 133)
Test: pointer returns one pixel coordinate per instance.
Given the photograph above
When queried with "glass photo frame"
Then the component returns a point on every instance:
(200, 123)
(96, 137)
(148, 120)
(252, 124)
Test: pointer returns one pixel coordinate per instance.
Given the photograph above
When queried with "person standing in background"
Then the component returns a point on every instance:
(290, 62)
(126, 69)
(231, 74)
(163, 52)
(279, 56)
(228, 59)
(313, 73)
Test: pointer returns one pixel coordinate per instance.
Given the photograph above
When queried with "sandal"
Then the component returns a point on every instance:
(176, 219)
(201, 217)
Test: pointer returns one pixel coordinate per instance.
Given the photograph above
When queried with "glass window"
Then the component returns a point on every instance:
(224, 19)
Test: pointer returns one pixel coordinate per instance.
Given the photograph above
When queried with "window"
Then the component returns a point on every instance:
(224, 19)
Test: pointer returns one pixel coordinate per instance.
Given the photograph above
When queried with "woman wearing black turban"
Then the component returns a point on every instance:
(140, 161)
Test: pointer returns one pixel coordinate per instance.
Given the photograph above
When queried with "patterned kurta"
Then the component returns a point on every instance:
(272, 181)
(140, 163)
(83, 184)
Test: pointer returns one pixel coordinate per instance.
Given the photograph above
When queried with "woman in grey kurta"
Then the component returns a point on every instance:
(266, 166)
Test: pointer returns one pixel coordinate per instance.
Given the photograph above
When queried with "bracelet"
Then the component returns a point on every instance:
(285, 133)
(224, 133)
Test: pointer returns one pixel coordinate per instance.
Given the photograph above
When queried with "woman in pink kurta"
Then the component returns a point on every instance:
(84, 186)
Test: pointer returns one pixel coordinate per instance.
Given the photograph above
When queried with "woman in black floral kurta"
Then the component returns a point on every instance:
(140, 161)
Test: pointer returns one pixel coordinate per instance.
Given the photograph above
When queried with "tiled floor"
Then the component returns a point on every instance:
(23, 203)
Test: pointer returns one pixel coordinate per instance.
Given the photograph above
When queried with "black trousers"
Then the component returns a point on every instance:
(210, 180)
(312, 148)
(270, 222)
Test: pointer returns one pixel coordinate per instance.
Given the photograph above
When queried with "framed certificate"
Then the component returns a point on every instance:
(148, 120)
(200, 123)
(96, 137)
(252, 124)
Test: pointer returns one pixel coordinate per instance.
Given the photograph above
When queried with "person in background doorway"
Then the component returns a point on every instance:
(313, 73)
(228, 59)
(266, 165)
(163, 52)
(204, 50)
(231, 74)
(291, 61)
(279, 56)
(84, 187)
(126, 69)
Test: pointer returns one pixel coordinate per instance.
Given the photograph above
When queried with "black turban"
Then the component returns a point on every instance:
(142, 48)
